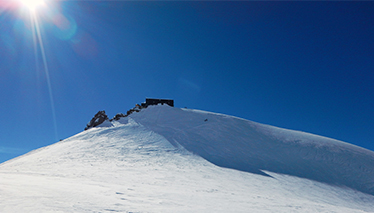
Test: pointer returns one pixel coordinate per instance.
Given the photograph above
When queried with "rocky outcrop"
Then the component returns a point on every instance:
(98, 119)
(101, 117)
(117, 117)
(137, 108)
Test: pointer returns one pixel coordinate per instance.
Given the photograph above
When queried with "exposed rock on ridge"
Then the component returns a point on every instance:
(98, 119)
(101, 116)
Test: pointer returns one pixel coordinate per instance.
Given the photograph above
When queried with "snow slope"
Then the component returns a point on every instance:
(248, 146)
(165, 159)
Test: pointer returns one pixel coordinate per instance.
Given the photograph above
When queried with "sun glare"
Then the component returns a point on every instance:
(32, 5)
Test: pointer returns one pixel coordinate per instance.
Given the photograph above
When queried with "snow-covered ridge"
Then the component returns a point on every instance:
(252, 147)
(164, 159)
(248, 146)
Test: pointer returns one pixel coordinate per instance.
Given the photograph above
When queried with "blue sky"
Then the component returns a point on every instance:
(306, 66)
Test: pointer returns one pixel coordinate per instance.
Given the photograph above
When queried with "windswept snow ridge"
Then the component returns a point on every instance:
(161, 159)
(252, 147)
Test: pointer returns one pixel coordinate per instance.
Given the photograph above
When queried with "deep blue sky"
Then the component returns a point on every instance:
(306, 66)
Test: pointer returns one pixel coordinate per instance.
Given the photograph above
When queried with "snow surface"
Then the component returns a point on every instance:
(166, 159)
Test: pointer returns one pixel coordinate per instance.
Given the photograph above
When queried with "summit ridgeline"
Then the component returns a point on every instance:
(159, 158)
(100, 117)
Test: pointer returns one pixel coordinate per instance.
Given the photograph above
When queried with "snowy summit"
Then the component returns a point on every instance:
(166, 159)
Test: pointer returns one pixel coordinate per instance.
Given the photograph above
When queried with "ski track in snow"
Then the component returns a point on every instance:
(165, 159)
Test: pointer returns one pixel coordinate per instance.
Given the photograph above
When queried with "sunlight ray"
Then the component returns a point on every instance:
(35, 43)
(38, 39)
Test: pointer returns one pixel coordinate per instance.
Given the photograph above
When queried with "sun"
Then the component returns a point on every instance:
(32, 5)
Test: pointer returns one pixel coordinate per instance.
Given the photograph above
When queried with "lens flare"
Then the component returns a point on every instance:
(38, 16)
(32, 5)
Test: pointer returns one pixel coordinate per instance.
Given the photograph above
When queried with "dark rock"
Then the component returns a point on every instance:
(98, 119)
(118, 116)
(137, 108)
